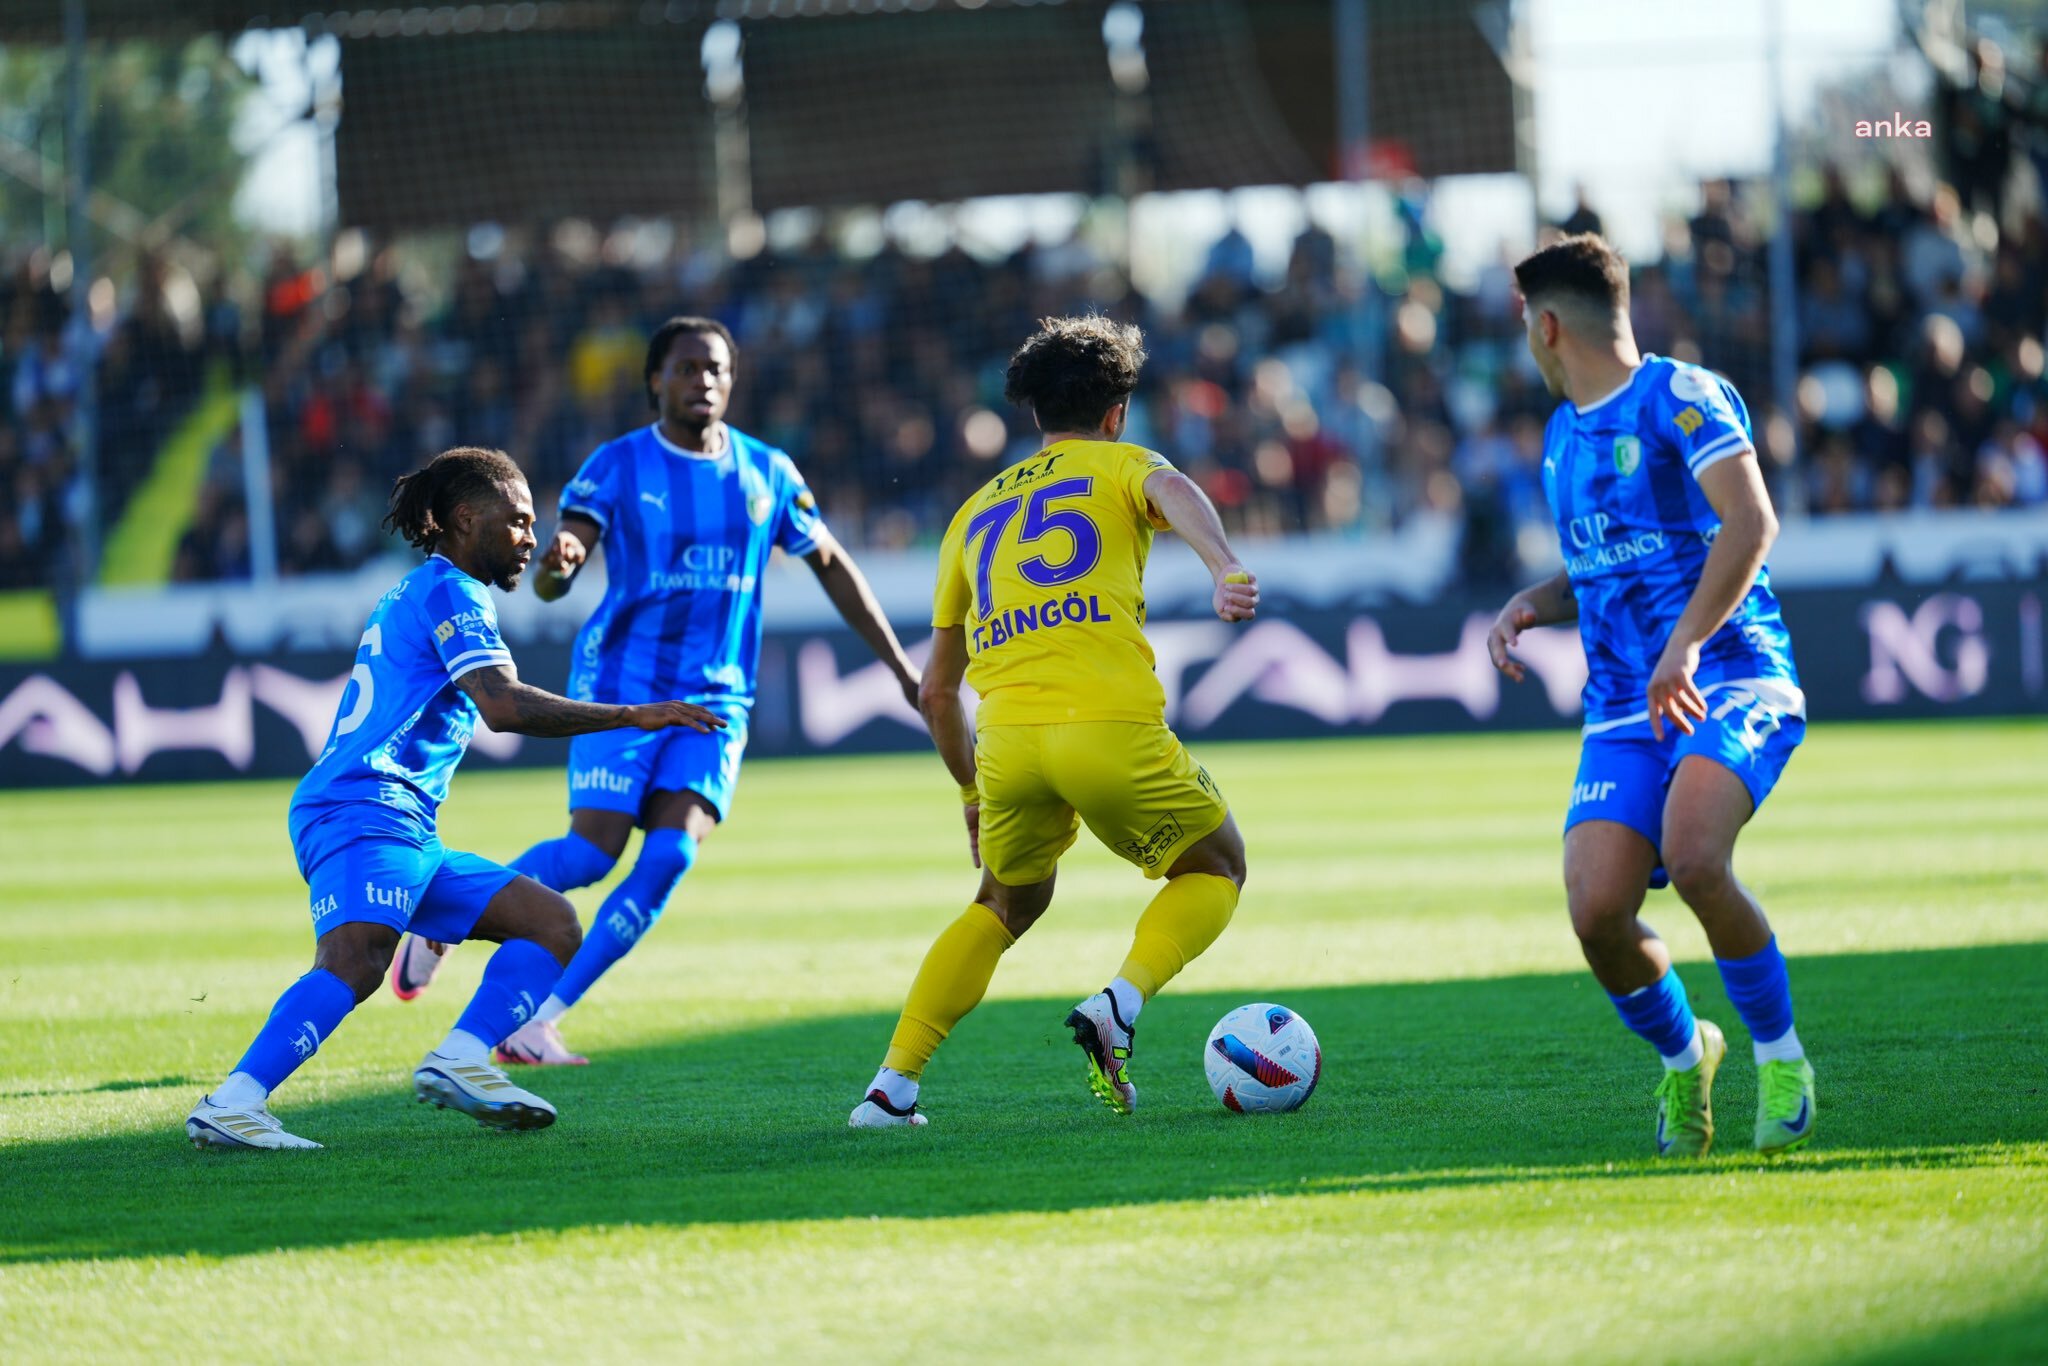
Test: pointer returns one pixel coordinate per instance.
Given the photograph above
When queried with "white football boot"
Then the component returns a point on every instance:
(413, 967)
(1107, 1041)
(877, 1113)
(537, 1043)
(238, 1126)
(480, 1091)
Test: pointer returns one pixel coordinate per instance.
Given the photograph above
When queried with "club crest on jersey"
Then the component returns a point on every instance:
(1628, 455)
(759, 505)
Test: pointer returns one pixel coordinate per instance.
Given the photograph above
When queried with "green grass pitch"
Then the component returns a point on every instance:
(1471, 1183)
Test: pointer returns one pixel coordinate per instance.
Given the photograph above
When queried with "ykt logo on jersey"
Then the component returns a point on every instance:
(1628, 455)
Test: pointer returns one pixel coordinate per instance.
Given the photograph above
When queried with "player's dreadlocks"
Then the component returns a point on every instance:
(423, 503)
(1073, 370)
(665, 335)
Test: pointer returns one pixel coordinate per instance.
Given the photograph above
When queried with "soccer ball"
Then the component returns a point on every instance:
(1263, 1059)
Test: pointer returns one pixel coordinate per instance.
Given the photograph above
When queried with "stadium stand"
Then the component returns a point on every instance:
(1922, 312)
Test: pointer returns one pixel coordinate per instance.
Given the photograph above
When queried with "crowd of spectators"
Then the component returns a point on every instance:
(1921, 312)
(1921, 374)
(147, 362)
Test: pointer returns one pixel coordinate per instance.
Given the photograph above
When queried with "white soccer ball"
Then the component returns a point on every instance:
(1263, 1059)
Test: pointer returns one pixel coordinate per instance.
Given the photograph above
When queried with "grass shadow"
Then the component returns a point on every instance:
(1925, 1058)
(118, 1084)
(2018, 1336)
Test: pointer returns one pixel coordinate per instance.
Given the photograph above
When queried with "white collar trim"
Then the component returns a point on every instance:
(673, 449)
(1585, 408)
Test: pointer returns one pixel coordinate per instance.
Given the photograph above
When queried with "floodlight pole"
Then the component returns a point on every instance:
(1354, 148)
(1784, 310)
(80, 342)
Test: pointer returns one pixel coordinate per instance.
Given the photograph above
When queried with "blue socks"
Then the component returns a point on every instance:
(1660, 1013)
(299, 1023)
(516, 980)
(560, 864)
(1762, 995)
(630, 911)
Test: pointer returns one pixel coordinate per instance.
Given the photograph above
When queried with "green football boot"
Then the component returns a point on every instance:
(1685, 1100)
(1784, 1105)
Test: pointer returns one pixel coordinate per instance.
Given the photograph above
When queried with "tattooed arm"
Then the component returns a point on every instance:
(509, 705)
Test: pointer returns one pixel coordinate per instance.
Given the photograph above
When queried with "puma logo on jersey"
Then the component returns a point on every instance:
(660, 500)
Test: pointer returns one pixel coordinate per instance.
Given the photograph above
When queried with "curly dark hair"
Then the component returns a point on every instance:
(665, 336)
(423, 503)
(1073, 370)
(1584, 270)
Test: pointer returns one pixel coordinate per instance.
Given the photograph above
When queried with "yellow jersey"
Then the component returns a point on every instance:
(1044, 568)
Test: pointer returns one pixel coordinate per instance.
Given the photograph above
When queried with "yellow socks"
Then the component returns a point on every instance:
(951, 981)
(1184, 919)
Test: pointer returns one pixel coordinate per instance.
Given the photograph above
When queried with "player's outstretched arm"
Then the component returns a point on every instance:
(848, 588)
(567, 552)
(938, 700)
(1542, 604)
(509, 705)
(1180, 502)
(1735, 488)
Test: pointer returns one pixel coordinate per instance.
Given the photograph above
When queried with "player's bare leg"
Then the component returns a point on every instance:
(1194, 903)
(1704, 812)
(596, 839)
(950, 982)
(1607, 868)
(1703, 815)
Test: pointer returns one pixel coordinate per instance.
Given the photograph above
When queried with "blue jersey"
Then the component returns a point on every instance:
(403, 725)
(1622, 477)
(686, 538)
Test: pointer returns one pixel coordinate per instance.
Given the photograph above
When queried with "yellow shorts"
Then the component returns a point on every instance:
(1133, 782)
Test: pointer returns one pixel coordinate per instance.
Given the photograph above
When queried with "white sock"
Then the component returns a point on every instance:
(900, 1090)
(1784, 1048)
(553, 1008)
(1129, 1000)
(239, 1091)
(463, 1046)
(1689, 1056)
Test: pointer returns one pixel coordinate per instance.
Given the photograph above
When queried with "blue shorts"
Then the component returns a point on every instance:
(615, 770)
(362, 867)
(1624, 774)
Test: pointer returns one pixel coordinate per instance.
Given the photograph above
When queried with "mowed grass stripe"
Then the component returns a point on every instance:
(1468, 1184)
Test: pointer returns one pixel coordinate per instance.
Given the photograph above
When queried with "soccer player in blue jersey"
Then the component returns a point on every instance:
(1692, 701)
(687, 510)
(363, 820)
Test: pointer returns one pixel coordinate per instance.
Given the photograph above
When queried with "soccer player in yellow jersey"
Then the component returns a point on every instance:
(1040, 607)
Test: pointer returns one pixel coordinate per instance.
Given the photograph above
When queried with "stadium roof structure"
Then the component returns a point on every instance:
(597, 108)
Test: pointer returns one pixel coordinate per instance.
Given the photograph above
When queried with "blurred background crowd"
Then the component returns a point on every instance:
(1922, 305)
